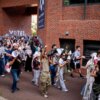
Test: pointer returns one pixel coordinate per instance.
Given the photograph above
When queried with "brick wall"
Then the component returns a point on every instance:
(53, 14)
(79, 30)
(14, 22)
(76, 12)
(10, 3)
(18, 20)
(60, 19)
(1, 21)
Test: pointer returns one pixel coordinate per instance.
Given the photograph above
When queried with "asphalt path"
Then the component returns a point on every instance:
(30, 92)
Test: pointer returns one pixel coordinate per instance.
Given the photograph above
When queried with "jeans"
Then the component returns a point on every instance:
(36, 76)
(15, 76)
(61, 79)
(53, 74)
(2, 66)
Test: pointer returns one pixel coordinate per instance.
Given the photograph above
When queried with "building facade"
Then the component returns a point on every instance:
(72, 23)
(15, 16)
(66, 23)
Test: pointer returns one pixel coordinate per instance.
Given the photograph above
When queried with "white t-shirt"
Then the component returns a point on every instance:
(69, 55)
(61, 69)
(61, 62)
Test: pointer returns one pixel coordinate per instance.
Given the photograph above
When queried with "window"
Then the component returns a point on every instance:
(93, 1)
(69, 2)
(76, 1)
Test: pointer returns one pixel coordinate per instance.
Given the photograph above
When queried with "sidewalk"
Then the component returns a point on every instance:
(1, 98)
(30, 92)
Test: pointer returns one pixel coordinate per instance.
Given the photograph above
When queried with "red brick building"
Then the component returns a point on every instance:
(15, 15)
(61, 20)
(81, 23)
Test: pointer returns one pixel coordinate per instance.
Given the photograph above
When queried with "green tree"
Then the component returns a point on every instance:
(34, 25)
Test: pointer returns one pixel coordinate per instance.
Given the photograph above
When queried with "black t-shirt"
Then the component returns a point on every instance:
(36, 64)
(16, 64)
(97, 78)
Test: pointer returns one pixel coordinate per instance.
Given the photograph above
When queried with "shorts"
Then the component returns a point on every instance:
(78, 66)
(73, 66)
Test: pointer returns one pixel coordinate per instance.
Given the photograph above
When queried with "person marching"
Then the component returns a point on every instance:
(62, 64)
(76, 66)
(60, 73)
(15, 70)
(45, 80)
(54, 67)
(90, 66)
(96, 84)
(36, 68)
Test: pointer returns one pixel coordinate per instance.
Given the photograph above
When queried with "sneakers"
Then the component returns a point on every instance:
(36, 84)
(45, 96)
(65, 90)
(17, 89)
(3, 75)
(58, 87)
(13, 91)
(81, 76)
(69, 71)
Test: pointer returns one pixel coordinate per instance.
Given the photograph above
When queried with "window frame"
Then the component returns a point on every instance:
(81, 4)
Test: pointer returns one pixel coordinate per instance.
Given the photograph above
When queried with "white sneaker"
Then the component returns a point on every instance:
(65, 90)
(54, 84)
(69, 71)
(3, 75)
(58, 87)
(85, 98)
(36, 84)
(46, 96)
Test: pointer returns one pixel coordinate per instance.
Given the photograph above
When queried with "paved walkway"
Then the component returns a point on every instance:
(30, 92)
(2, 98)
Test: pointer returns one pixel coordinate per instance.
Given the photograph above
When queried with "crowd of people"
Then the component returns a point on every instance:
(17, 53)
